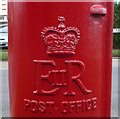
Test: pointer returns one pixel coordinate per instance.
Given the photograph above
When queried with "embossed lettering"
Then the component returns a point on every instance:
(94, 106)
(88, 104)
(50, 106)
(56, 75)
(83, 105)
(71, 106)
(64, 107)
(42, 106)
(39, 106)
(78, 105)
(26, 104)
(34, 106)
(40, 77)
(59, 78)
(70, 64)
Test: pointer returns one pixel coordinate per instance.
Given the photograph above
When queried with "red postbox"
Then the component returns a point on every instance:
(60, 59)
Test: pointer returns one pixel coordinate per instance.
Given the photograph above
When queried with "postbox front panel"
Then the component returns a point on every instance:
(60, 59)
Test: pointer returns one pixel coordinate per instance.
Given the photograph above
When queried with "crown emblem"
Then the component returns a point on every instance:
(60, 40)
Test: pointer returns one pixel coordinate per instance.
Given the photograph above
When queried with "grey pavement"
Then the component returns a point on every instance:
(115, 89)
(4, 95)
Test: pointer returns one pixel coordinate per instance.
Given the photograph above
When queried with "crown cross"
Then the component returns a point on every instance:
(60, 40)
(61, 22)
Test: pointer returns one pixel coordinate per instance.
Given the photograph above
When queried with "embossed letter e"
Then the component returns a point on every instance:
(40, 77)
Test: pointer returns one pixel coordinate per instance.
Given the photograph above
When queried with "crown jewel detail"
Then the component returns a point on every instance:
(61, 39)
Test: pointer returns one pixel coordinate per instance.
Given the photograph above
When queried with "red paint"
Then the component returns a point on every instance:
(60, 59)
(98, 9)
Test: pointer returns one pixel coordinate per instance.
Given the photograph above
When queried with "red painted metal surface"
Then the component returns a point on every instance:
(60, 59)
